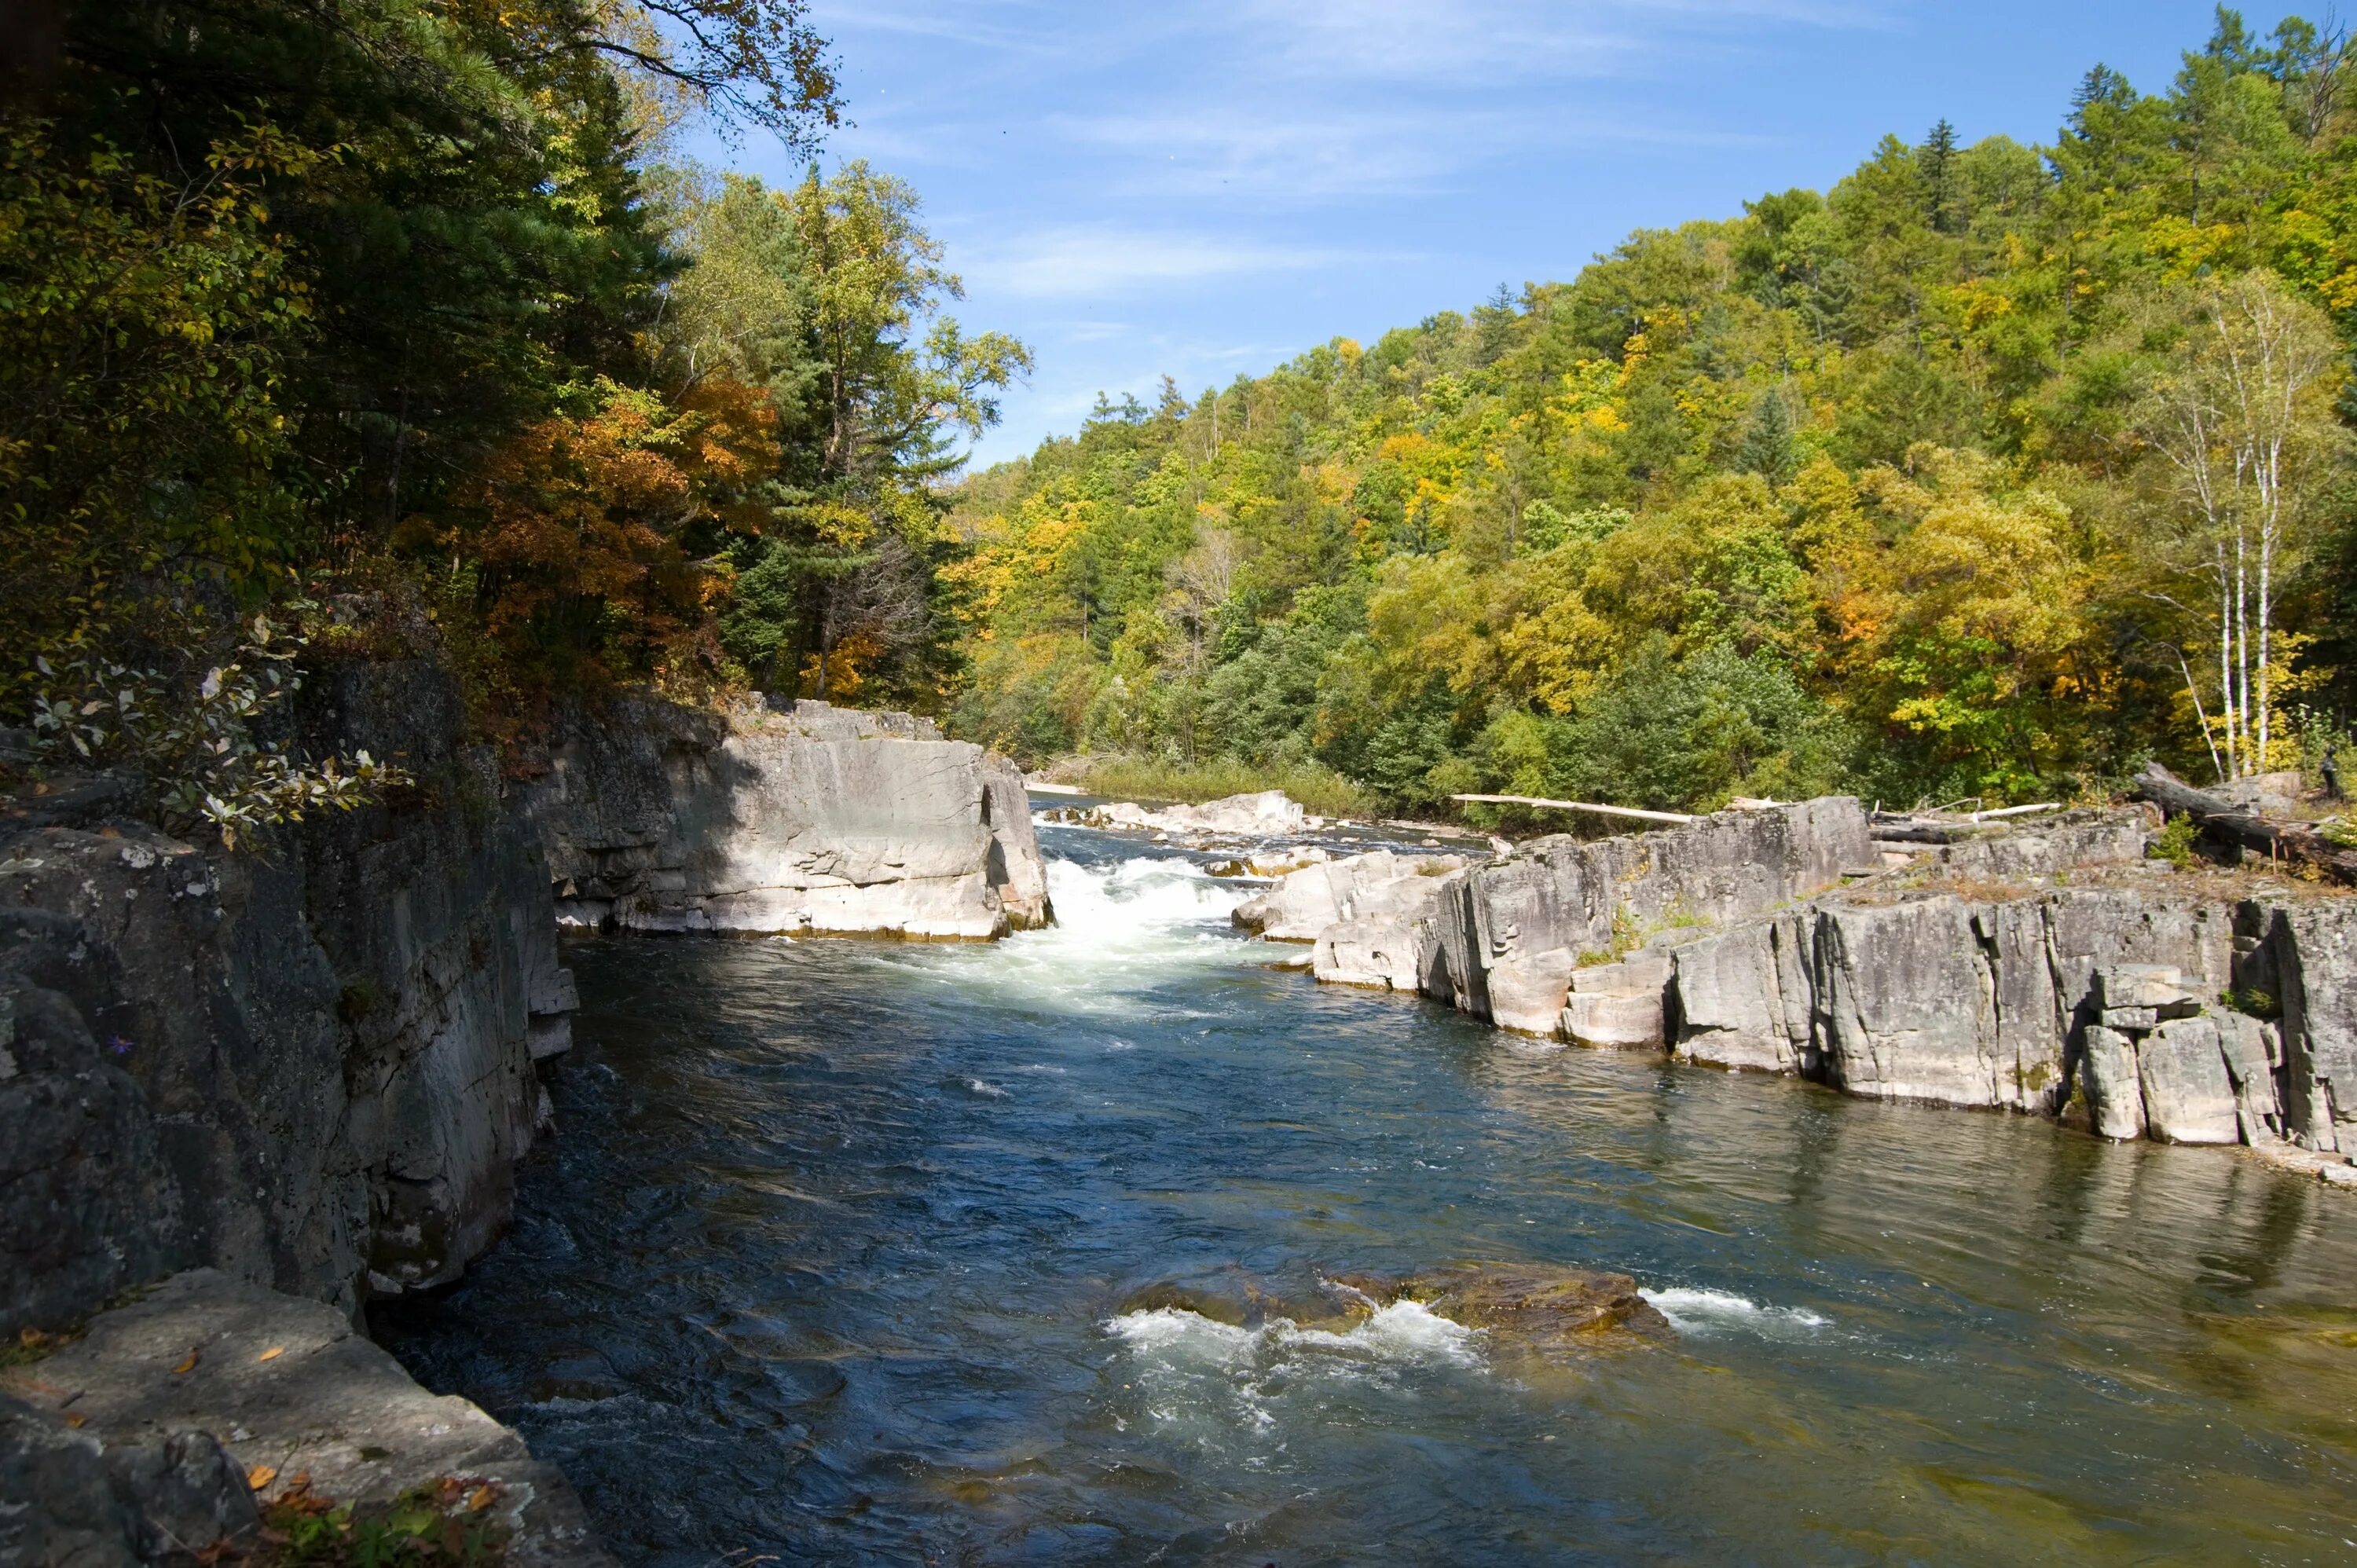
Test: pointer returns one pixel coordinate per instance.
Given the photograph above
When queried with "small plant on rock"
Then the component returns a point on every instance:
(196, 754)
(2174, 842)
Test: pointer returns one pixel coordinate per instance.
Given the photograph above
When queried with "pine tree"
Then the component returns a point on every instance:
(1767, 447)
(1937, 158)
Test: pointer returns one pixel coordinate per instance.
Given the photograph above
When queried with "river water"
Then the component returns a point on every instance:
(849, 1253)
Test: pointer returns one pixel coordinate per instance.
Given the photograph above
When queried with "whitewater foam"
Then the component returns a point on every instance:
(1210, 1382)
(1707, 1312)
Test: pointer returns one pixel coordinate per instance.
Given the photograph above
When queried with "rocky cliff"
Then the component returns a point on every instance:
(312, 1067)
(1503, 940)
(2051, 969)
(814, 819)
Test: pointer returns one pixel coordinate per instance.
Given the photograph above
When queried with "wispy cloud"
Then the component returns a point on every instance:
(1101, 260)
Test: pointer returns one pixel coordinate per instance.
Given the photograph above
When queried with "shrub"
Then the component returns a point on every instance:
(195, 753)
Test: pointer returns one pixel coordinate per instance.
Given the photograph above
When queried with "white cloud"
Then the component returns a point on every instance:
(1100, 260)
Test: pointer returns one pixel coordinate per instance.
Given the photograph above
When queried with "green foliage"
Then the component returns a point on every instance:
(439, 1524)
(1863, 490)
(198, 754)
(2174, 842)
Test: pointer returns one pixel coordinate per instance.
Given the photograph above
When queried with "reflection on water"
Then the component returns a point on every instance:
(846, 1252)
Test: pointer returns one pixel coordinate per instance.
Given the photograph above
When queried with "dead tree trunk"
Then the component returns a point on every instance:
(2229, 824)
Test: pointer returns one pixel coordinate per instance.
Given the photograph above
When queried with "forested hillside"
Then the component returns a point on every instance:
(1989, 472)
(398, 321)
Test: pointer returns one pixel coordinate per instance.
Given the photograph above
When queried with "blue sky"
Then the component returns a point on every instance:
(1207, 188)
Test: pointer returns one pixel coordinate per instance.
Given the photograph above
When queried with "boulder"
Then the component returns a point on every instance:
(1541, 1304)
(2188, 1095)
(206, 1366)
(1618, 1004)
(1744, 998)
(2310, 958)
(818, 819)
(1513, 930)
(70, 1500)
(1907, 1008)
(1381, 885)
(1262, 815)
(2114, 1085)
(2042, 846)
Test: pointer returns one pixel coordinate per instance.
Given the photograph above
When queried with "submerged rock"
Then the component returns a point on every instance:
(1537, 1303)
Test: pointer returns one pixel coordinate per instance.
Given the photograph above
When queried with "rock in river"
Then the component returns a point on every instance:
(1537, 1303)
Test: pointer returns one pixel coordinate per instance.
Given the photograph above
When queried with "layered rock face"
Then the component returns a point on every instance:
(1976, 975)
(1512, 933)
(1504, 940)
(2102, 1003)
(821, 819)
(312, 1067)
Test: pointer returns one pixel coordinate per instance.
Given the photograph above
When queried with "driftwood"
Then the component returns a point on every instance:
(1578, 806)
(1921, 832)
(2245, 828)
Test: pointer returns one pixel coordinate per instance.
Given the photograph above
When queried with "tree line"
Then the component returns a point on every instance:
(1993, 471)
(403, 321)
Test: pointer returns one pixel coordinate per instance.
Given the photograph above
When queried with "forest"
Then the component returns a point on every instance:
(400, 328)
(368, 329)
(1992, 472)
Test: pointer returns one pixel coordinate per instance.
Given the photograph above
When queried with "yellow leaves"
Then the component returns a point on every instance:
(260, 1476)
(272, 1354)
(2186, 249)
(186, 1366)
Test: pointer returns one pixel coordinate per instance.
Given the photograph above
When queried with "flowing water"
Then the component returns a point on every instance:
(849, 1252)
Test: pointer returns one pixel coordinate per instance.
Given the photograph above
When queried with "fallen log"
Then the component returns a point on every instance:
(2246, 830)
(1577, 806)
(1923, 833)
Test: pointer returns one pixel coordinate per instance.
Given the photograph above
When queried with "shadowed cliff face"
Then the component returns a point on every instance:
(312, 1067)
(1027, 1253)
(660, 818)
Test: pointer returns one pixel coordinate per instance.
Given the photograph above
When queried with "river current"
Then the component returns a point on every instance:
(852, 1251)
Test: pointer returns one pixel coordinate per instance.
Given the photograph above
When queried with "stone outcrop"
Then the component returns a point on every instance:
(1512, 931)
(2044, 967)
(660, 818)
(1540, 1305)
(1232, 819)
(311, 1066)
(2102, 1003)
(180, 1399)
(1504, 940)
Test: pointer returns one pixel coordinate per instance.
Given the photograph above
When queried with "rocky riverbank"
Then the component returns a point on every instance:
(308, 1071)
(2052, 969)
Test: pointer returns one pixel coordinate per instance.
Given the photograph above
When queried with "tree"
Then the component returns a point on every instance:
(1937, 159)
(2240, 409)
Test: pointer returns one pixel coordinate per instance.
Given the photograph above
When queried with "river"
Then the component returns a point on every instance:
(849, 1252)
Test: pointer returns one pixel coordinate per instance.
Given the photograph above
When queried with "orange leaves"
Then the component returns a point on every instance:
(588, 530)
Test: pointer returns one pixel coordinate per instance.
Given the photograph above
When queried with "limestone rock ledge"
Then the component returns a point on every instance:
(660, 818)
(136, 1442)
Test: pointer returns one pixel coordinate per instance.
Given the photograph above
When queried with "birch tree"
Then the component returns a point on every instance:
(2239, 410)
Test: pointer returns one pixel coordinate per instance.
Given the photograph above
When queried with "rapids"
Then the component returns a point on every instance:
(848, 1251)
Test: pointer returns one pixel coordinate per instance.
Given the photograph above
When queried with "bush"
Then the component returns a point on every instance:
(195, 753)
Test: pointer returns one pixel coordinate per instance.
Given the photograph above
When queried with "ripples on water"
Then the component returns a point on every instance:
(836, 1254)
